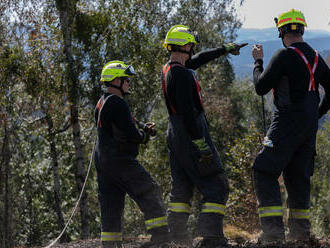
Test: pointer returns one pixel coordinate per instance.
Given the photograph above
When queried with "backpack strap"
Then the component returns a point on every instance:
(99, 107)
(310, 69)
(165, 70)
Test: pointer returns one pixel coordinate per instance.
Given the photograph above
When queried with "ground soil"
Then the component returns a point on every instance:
(135, 243)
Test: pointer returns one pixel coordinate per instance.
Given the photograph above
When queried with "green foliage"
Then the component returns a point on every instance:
(35, 84)
(320, 197)
(242, 205)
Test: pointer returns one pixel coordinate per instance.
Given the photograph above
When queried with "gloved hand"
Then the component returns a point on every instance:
(149, 128)
(206, 154)
(233, 48)
(146, 136)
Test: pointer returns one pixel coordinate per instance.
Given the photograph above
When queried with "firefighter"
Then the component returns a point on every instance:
(294, 75)
(118, 171)
(194, 160)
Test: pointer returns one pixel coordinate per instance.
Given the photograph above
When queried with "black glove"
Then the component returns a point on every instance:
(147, 127)
(146, 137)
(233, 48)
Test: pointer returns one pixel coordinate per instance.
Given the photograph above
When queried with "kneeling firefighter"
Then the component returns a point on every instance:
(294, 74)
(118, 171)
(193, 158)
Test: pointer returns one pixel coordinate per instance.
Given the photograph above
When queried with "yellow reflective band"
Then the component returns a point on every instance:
(270, 211)
(210, 207)
(299, 214)
(179, 207)
(156, 222)
(111, 236)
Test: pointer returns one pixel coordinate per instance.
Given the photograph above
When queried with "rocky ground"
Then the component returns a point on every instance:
(135, 243)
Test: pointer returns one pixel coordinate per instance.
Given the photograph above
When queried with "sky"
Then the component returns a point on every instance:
(261, 13)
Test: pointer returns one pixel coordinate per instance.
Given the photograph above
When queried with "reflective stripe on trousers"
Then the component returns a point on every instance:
(179, 207)
(299, 213)
(210, 207)
(156, 222)
(270, 211)
(111, 236)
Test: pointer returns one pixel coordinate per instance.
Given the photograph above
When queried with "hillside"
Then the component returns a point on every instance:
(243, 64)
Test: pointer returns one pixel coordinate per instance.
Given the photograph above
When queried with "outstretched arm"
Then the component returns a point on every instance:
(204, 57)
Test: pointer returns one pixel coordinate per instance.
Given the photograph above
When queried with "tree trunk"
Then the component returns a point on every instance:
(67, 10)
(53, 154)
(6, 227)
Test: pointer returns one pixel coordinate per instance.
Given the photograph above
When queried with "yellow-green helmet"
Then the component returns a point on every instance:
(292, 16)
(180, 35)
(115, 69)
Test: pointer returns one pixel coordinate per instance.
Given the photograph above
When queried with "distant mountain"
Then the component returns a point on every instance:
(243, 64)
(268, 34)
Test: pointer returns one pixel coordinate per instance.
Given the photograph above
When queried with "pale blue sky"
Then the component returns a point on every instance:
(261, 13)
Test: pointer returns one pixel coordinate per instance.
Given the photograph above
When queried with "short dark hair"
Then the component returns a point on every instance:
(295, 29)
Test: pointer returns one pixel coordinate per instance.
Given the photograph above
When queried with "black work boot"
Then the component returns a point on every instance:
(272, 230)
(159, 240)
(177, 223)
(212, 242)
(271, 240)
(111, 244)
(299, 229)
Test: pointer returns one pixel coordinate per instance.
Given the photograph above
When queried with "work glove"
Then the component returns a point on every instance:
(206, 154)
(233, 48)
(146, 137)
(147, 127)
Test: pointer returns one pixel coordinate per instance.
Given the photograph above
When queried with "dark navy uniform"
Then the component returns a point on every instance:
(294, 75)
(119, 172)
(187, 123)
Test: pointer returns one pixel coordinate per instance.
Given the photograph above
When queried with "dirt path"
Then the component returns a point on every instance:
(95, 243)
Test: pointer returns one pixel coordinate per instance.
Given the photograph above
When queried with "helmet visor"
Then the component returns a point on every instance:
(130, 71)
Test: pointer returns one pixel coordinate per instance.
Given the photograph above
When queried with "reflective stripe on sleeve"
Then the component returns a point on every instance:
(111, 236)
(156, 222)
(210, 207)
(299, 213)
(270, 211)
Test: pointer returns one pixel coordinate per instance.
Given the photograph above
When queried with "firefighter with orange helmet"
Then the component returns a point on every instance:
(294, 75)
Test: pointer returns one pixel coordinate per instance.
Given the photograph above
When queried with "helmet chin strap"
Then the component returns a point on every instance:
(190, 53)
(120, 87)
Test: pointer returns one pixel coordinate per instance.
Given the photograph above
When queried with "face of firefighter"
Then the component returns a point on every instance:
(126, 85)
(187, 47)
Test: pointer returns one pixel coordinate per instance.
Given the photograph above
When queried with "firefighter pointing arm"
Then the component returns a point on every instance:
(194, 159)
(293, 74)
(118, 171)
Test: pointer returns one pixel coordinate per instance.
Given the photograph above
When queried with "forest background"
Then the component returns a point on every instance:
(51, 56)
